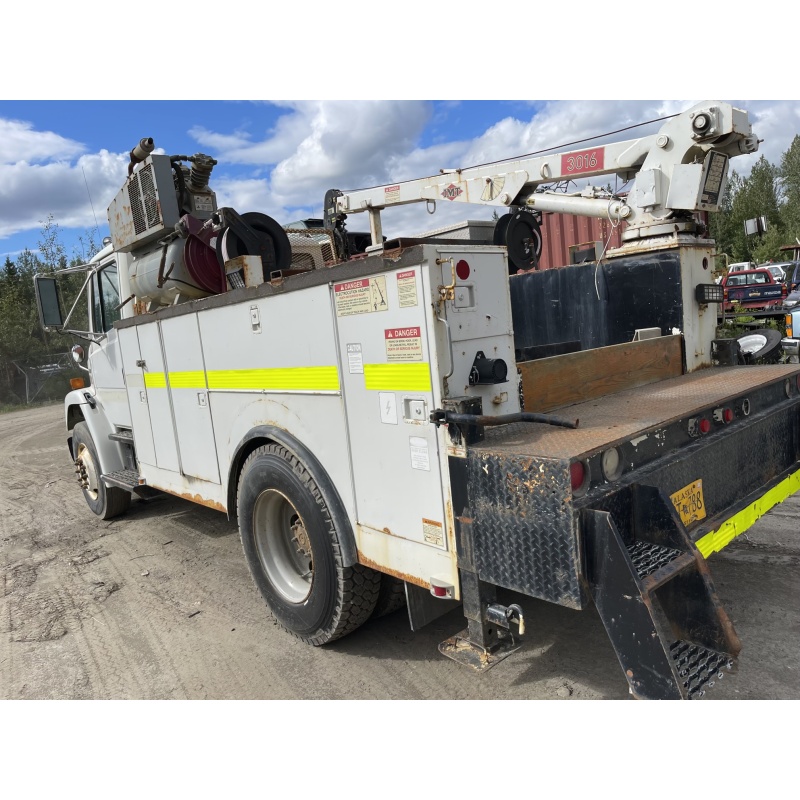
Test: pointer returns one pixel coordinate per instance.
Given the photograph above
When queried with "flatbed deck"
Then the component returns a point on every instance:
(615, 418)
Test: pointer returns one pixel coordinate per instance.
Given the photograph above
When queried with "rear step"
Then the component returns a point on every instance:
(657, 601)
(122, 435)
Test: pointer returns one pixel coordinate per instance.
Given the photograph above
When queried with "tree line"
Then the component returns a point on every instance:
(25, 349)
(771, 191)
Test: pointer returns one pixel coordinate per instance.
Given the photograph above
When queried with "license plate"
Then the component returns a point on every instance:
(689, 502)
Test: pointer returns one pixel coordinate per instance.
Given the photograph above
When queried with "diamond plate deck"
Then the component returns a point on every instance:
(619, 417)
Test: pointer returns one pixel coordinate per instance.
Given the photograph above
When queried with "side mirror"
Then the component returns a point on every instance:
(48, 301)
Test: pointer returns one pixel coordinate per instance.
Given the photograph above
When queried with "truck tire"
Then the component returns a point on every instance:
(391, 598)
(292, 548)
(760, 346)
(105, 501)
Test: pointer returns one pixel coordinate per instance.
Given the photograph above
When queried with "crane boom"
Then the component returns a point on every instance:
(681, 169)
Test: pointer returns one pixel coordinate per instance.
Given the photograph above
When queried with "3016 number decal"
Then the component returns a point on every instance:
(583, 161)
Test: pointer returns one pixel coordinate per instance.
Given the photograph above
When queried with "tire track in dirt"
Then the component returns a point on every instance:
(159, 604)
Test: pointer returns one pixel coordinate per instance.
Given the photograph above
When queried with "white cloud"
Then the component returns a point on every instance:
(29, 192)
(20, 142)
(318, 145)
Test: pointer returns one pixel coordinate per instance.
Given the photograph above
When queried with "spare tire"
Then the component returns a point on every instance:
(761, 346)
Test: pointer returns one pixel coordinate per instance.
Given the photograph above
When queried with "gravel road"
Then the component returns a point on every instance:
(159, 604)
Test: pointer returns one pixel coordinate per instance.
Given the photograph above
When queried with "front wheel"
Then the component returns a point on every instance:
(105, 501)
(292, 548)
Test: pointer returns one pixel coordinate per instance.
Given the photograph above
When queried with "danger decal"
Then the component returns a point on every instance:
(403, 344)
(407, 288)
(362, 296)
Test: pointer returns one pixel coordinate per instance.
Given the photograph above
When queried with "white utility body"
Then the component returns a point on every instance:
(377, 417)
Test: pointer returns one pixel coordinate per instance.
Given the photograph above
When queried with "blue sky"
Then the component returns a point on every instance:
(120, 71)
(280, 158)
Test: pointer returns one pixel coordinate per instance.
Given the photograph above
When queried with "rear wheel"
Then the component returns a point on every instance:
(391, 597)
(105, 501)
(292, 548)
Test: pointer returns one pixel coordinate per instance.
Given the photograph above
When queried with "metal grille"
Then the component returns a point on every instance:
(648, 557)
(698, 667)
(137, 212)
(312, 248)
(149, 195)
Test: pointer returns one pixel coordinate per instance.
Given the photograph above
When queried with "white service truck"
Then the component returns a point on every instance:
(435, 419)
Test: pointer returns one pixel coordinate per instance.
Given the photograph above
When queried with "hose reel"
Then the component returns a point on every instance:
(520, 233)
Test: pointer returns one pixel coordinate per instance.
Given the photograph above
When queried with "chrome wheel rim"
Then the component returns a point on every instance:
(283, 546)
(85, 460)
(752, 343)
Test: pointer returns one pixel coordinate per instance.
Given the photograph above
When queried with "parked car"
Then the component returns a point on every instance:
(777, 271)
(741, 266)
(792, 299)
(754, 290)
(792, 270)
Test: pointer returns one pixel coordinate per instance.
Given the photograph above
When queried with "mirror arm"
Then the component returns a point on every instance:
(78, 297)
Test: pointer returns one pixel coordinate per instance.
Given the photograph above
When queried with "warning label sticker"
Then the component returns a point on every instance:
(360, 297)
(407, 288)
(403, 344)
(432, 532)
(355, 359)
(391, 193)
(420, 459)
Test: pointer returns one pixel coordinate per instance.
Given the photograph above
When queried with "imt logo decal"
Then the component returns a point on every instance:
(451, 192)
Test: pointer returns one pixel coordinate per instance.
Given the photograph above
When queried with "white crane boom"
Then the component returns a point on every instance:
(681, 169)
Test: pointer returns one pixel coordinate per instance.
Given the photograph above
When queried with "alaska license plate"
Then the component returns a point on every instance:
(689, 502)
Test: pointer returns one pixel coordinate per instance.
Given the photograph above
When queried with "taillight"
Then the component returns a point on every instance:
(724, 294)
(784, 290)
(579, 477)
(704, 425)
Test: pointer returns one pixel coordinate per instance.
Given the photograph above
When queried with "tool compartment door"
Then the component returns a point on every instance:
(189, 393)
(148, 395)
(137, 396)
(386, 376)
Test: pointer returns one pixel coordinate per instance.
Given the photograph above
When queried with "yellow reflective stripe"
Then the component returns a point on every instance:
(195, 379)
(714, 542)
(319, 379)
(155, 380)
(414, 377)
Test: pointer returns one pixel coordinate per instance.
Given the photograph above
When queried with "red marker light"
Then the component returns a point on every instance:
(462, 270)
(704, 425)
(577, 474)
(727, 415)
(439, 591)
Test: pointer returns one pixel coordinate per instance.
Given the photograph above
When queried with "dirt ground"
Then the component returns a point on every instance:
(159, 604)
